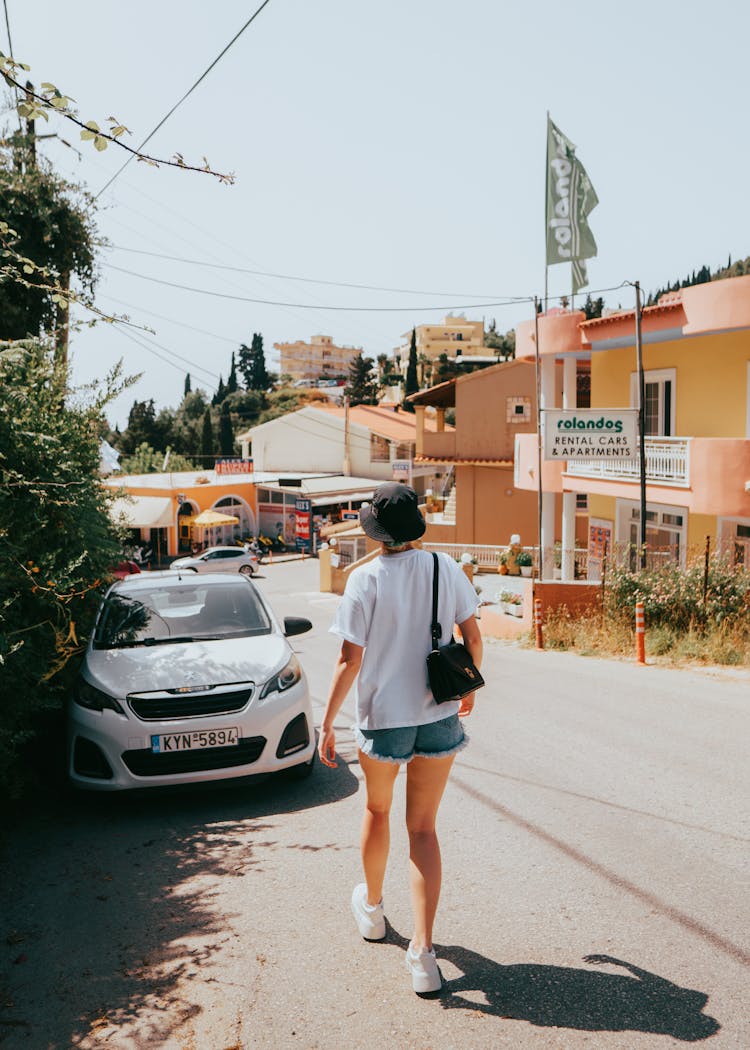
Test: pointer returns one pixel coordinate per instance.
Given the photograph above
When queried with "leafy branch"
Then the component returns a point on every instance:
(34, 105)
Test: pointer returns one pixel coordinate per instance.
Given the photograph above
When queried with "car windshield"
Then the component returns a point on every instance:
(187, 613)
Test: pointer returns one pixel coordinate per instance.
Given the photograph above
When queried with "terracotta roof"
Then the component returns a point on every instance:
(399, 426)
(442, 395)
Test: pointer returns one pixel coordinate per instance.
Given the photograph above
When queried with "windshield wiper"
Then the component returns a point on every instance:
(150, 641)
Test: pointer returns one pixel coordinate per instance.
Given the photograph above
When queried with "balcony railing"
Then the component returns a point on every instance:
(667, 463)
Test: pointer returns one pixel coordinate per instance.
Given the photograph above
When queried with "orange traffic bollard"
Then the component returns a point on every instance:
(538, 623)
(640, 634)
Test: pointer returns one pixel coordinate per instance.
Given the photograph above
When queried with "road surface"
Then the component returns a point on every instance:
(595, 843)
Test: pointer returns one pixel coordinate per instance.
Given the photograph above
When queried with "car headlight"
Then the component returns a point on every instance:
(286, 678)
(94, 699)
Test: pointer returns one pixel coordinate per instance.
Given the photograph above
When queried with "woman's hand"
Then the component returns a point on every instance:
(466, 705)
(327, 747)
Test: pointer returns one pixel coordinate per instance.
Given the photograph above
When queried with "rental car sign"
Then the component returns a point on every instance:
(590, 433)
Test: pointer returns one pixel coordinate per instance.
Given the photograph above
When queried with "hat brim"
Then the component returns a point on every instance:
(372, 527)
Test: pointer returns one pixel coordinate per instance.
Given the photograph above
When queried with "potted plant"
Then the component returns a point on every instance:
(524, 562)
(502, 563)
(511, 603)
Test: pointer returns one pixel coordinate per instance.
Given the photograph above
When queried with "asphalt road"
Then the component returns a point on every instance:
(595, 843)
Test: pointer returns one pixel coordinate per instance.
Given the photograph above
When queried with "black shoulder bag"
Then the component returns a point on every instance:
(450, 668)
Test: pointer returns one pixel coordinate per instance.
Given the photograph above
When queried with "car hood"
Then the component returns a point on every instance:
(153, 668)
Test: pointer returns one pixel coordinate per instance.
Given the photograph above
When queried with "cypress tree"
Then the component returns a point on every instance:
(412, 383)
(207, 440)
(187, 389)
(220, 394)
(226, 433)
(232, 381)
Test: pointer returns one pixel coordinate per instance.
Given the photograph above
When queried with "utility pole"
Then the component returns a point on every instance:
(641, 425)
(347, 453)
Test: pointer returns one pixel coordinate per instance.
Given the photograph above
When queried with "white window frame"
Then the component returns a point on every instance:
(726, 537)
(661, 376)
(624, 519)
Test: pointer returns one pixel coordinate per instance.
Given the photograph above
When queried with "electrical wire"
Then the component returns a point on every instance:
(10, 53)
(310, 306)
(150, 349)
(293, 277)
(189, 92)
(171, 320)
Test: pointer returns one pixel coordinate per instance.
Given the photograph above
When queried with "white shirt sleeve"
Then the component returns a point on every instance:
(350, 622)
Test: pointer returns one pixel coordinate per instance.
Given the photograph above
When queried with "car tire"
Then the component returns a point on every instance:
(247, 570)
(301, 771)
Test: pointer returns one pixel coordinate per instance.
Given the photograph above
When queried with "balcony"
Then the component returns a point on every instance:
(705, 474)
(440, 445)
(667, 463)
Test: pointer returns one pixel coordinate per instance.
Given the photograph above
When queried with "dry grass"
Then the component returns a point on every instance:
(727, 643)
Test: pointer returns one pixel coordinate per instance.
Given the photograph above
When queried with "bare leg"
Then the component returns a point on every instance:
(376, 835)
(425, 782)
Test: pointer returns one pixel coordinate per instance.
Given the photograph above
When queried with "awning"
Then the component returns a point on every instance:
(143, 512)
(341, 497)
(213, 517)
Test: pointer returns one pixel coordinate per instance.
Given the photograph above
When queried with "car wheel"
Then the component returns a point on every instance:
(302, 771)
(247, 570)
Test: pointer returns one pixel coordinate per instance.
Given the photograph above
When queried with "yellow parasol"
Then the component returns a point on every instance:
(206, 518)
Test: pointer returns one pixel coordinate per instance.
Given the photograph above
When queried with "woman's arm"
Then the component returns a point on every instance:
(344, 673)
(472, 639)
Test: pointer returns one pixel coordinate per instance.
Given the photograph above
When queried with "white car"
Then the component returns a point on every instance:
(188, 679)
(220, 559)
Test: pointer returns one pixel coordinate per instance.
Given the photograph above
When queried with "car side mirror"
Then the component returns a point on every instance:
(296, 625)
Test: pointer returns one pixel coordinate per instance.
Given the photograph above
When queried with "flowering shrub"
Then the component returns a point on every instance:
(673, 597)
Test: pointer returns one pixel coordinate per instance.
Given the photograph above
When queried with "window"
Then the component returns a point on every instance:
(380, 449)
(517, 409)
(665, 532)
(659, 402)
(582, 501)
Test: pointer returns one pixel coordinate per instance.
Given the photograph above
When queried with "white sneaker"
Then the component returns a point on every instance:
(370, 918)
(423, 967)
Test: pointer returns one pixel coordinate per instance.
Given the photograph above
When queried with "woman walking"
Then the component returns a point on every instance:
(384, 623)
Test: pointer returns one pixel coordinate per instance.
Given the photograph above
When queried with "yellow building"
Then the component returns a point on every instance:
(696, 357)
(454, 336)
(318, 359)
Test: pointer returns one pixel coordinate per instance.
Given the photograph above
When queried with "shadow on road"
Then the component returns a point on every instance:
(567, 997)
(113, 910)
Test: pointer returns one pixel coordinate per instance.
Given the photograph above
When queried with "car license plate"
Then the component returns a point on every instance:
(196, 740)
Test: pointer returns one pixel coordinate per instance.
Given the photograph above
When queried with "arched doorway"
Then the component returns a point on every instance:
(245, 526)
(185, 515)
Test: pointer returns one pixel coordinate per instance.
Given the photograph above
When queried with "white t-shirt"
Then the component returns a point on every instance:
(387, 608)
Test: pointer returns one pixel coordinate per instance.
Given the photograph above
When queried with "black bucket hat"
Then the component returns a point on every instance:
(393, 516)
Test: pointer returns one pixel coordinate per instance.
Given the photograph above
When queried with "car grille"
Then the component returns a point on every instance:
(189, 705)
(144, 763)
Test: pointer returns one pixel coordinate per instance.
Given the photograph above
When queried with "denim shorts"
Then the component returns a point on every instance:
(434, 740)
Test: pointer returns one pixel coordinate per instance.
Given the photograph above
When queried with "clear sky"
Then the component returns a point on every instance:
(398, 143)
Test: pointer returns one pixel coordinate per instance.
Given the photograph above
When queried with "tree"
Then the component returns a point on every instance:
(226, 432)
(141, 428)
(57, 544)
(51, 237)
(252, 364)
(361, 388)
(412, 383)
(232, 384)
(207, 439)
(503, 345)
(148, 460)
(186, 391)
(220, 393)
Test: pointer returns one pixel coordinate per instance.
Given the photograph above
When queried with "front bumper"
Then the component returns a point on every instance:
(108, 751)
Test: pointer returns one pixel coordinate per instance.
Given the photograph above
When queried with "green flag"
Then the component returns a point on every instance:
(570, 199)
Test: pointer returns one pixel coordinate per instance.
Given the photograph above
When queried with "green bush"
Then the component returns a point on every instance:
(57, 542)
(673, 597)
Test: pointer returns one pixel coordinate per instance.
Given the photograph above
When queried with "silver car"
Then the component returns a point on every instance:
(220, 559)
(187, 679)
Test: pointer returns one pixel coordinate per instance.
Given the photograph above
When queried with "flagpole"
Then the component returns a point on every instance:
(539, 497)
(546, 216)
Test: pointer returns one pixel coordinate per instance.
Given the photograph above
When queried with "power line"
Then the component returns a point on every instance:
(309, 306)
(171, 320)
(177, 104)
(146, 346)
(10, 52)
(293, 277)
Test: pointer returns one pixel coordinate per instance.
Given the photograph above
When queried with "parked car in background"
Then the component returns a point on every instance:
(188, 679)
(220, 559)
(127, 567)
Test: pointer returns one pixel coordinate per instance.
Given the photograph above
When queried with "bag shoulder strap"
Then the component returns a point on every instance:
(435, 629)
